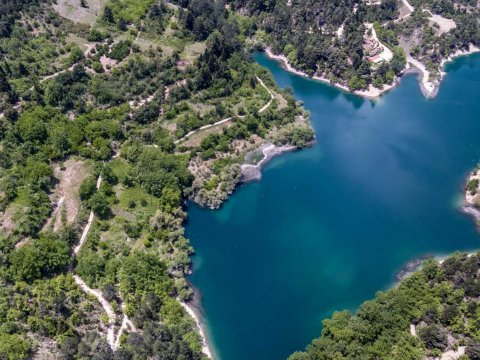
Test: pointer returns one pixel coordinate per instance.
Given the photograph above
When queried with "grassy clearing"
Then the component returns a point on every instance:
(129, 10)
(132, 211)
(194, 50)
(202, 108)
(137, 201)
(282, 103)
(81, 42)
(71, 9)
(11, 217)
(196, 139)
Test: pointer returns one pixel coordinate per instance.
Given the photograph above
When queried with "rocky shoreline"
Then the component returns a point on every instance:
(472, 196)
(252, 172)
(411, 266)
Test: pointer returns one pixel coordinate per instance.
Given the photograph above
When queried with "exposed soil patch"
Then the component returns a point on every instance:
(8, 218)
(444, 24)
(196, 139)
(72, 10)
(66, 198)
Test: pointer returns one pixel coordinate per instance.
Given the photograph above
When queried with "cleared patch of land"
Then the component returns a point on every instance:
(72, 10)
(8, 218)
(444, 24)
(196, 138)
(66, 198)
(192, 51)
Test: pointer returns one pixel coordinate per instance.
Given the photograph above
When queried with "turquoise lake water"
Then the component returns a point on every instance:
(328, 226)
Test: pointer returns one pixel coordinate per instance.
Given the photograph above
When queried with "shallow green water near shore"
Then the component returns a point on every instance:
(329, 226)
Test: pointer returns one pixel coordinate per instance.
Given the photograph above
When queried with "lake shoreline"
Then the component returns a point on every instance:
(372, 93)
(358, 140)
(194, 309)
(251, 172)
(470, 199)
(429, 88)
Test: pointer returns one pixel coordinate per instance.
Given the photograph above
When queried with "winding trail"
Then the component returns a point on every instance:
(272, 97)
(54, 75)
(86, 229)
(106, 306)
(203, 128)
(223, 121)
(126, 323)
(88, 70)
(113, 341)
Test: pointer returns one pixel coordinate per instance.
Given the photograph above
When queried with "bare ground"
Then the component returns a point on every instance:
(444, 24)
(282, 103)
(65, 197)
(71, 9)
(197, 138)
(8, 218)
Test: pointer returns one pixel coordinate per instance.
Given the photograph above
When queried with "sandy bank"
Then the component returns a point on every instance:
(371, 93)
(205, 346)
(254, 171)
(429, 87)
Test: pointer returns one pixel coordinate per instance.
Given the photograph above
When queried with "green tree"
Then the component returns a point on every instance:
(143, 273)
(13, 347)
(108, 15)
(91, 267)
(99, 204)
(54, 254)
(25, 263)
(88, 188)
(356, 83)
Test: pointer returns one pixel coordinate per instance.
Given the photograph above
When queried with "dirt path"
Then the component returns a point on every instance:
(106, 306)
(410, 9)
(126, 324)
(272, 97)
(88, 70)
(15, 107)
(202, 128)
(86, 229)
(223, 121)
(113, 341)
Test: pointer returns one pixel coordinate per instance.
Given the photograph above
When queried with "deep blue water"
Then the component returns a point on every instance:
(329, 226)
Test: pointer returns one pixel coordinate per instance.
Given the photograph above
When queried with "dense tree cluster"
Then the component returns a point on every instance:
(10, 11)
(326, 38)
(307, 32)
(202, 17)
